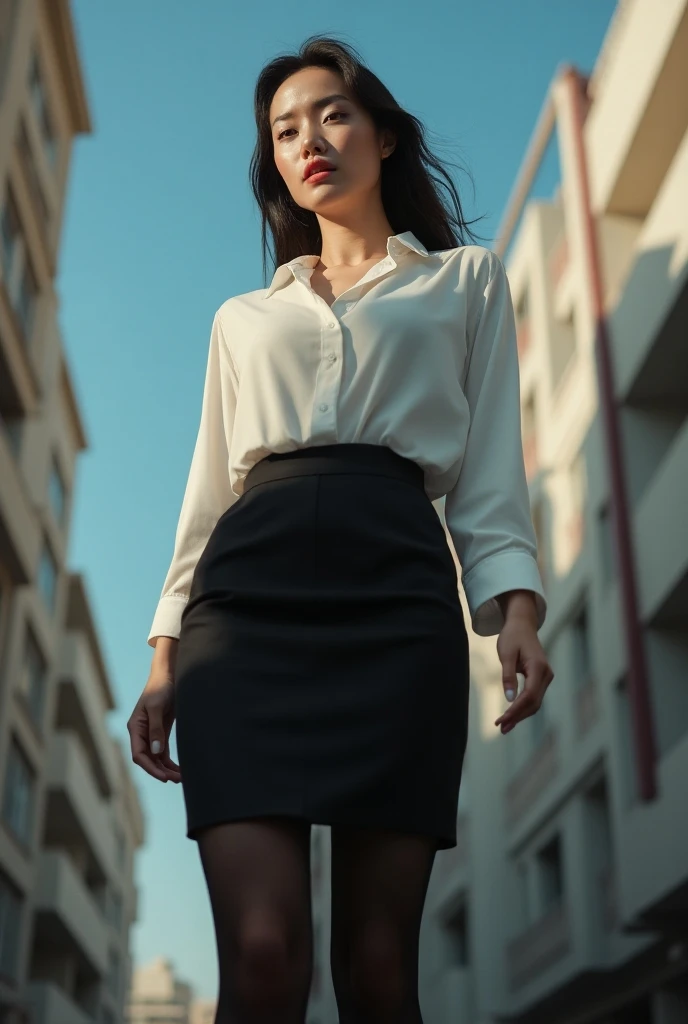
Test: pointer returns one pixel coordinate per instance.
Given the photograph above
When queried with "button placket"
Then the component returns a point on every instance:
(328, 379)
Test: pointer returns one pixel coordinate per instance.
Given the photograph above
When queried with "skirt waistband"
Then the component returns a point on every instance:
(335, 458)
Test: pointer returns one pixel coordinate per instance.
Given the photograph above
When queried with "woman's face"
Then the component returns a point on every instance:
(339, 131)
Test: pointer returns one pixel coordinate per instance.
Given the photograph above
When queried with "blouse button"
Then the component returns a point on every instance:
(331, 324)
(332, 357)
(323, 407)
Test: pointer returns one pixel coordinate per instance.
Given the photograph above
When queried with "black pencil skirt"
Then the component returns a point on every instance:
(322, 667)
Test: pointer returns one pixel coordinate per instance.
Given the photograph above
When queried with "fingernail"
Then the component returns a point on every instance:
(510, 694)
(156, 746)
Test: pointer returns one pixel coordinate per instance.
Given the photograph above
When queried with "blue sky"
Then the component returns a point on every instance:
(160, 228)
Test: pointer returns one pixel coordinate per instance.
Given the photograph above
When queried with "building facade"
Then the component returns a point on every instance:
(566, 898)
(70, 819)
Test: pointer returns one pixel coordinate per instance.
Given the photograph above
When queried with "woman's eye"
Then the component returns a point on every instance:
(334, 113)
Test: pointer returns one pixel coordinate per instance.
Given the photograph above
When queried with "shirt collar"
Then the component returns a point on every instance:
(395, 245)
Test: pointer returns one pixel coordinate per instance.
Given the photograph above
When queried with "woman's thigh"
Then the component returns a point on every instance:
(258, 877)
(379, 884)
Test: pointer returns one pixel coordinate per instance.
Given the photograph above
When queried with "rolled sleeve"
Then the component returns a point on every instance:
(487, 511)
(208, 493)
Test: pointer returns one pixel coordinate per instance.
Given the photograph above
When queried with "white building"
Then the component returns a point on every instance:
(566, 899)
(70, 819)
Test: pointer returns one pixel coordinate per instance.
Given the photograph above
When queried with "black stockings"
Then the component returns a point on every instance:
(379, 883)
(258, 877)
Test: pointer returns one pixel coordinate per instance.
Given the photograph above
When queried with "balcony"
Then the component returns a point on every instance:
(75, 811)
(539, 947)
(81, 708)
(50, 1005)
(66, 913)
(644, 86)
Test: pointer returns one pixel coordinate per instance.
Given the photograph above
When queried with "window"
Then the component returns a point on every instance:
(10, 922)
(56, 492)
(551, 874)
(47, 576)
(17, 808)
(33, 678)
(39, 101)
(18, 274)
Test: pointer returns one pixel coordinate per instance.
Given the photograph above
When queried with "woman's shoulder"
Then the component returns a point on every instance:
(470, 255)
(475, 266)
(234, 304)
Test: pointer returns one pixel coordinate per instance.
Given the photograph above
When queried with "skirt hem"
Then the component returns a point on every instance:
(444, 842)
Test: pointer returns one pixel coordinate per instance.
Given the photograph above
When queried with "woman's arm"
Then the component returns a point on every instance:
(488, 510)
(208, 493)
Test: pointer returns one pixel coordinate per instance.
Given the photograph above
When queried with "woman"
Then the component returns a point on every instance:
(309, 638)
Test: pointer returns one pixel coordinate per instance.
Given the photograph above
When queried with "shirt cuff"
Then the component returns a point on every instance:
(167, 620)
(505, 570)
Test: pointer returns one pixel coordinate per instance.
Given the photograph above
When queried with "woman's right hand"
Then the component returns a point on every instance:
(151, 720)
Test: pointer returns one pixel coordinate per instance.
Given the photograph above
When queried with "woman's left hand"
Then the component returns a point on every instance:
(520, 650)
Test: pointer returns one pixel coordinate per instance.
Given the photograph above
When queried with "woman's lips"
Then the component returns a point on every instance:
(319, 176)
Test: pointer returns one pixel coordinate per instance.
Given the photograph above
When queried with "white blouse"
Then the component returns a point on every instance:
(419, 355)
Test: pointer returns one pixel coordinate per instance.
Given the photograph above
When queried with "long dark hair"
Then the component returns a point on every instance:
(410, 191)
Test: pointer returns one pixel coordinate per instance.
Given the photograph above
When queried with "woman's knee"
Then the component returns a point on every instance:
(270, 970)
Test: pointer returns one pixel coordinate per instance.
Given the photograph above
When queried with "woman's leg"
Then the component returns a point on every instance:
(379, 883)
(258, 877)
